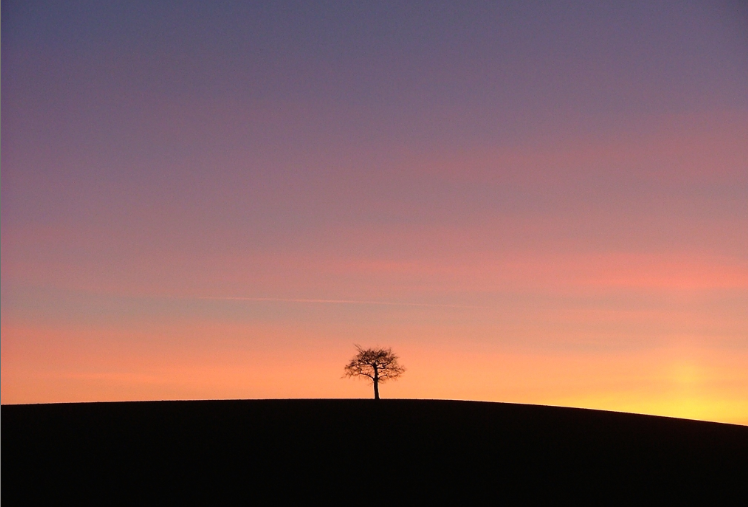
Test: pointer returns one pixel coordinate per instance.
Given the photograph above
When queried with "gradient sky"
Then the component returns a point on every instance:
(533, 202)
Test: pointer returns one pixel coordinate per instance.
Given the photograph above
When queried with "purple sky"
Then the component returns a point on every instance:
(565, 178)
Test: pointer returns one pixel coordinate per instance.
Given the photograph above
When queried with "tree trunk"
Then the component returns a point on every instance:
(376, 382)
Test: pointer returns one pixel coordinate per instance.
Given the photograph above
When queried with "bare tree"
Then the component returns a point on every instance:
(378, 365)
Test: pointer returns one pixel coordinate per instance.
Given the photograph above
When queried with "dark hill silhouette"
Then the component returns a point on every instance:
(359, 450)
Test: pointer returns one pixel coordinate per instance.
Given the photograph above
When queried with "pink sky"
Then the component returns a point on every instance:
(530, 205)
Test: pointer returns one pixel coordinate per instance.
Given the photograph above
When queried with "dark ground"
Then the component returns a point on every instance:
(361, 451)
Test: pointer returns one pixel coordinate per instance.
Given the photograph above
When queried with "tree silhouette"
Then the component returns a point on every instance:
(378, 365)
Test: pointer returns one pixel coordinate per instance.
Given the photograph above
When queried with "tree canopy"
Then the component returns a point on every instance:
(378, 365)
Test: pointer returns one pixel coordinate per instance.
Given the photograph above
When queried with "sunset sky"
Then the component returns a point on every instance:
(533, 202)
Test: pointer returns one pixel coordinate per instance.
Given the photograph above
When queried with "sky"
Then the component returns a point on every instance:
(530, 202)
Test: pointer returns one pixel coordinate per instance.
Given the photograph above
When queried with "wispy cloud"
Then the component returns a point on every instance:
(335, 301)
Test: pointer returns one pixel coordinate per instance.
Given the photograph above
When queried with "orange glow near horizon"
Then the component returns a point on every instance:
(220, 363)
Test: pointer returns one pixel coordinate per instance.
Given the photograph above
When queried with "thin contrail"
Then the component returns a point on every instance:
(335, 301)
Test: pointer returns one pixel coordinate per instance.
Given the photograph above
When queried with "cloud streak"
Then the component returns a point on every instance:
(334, 301)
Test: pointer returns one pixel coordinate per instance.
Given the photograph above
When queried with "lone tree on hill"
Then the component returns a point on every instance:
(379, 365)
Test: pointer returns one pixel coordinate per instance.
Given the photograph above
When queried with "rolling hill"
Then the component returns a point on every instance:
(391, 451)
